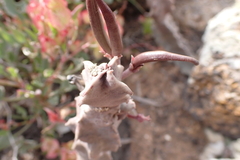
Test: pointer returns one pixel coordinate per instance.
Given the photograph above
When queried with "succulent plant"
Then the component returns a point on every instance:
(104, 100)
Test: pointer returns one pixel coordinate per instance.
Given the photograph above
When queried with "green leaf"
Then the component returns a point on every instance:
(37, 83)
(14, 8)
(21, 111)
(2, 92)
(31, 33)
(28, 146)
(5, 36)
(53, 30)
(40, 64)
(29, 87)
(78, 65)
(53, 100)
(147, 26)
(3, 133)
(9, 47)
(83, 55)
(63, 47)
(4, 139)
(19, 35)
(48, 72)
(13, 72)
(2, 48)
(12, 56)
(2, 71)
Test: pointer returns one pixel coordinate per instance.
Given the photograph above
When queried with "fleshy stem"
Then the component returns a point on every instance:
(151, 56)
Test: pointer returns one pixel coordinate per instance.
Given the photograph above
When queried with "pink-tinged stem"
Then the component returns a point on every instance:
(139, 60)
(77, 9)
(97, 26)
(113, 30)
(140, 117)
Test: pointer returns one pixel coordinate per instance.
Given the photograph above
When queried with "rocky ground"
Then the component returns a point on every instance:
(194, 110)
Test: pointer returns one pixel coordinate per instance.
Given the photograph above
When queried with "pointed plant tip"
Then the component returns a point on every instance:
(192, 60)
(112, 27)
(132, 57)
(161, 56)
(151, 56)
(96, 23)
(196, 62)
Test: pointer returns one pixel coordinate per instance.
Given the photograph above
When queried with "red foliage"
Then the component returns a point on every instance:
(3, 124)
(53, 116)
(140, 117)
(53, 21)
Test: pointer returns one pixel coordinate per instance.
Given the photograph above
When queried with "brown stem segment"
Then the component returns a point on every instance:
(97, 26)
(8, 83)
(139, 60)
(113, 30)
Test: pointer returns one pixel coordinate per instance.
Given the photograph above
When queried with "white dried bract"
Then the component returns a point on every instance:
(101, 106)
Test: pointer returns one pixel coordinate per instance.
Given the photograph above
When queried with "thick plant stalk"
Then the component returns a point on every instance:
(113, 30)
(101, 106)
(145, 57)
(97, 26)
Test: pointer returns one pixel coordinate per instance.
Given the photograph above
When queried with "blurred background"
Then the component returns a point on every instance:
(194, 110)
